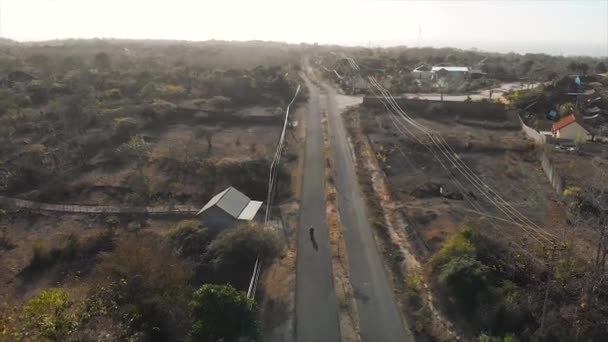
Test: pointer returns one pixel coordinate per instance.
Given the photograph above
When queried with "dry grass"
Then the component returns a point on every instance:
(297, 140)
(347, 305)
(279, 277)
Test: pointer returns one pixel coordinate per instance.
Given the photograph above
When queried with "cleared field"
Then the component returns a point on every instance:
(173, 167)
(436, 198)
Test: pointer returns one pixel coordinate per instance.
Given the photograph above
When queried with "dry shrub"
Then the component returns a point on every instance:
(145, 284)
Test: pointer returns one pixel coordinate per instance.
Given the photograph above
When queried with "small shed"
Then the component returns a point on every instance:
(228, 207)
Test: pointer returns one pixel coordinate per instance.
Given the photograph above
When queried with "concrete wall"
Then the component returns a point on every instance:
(217, 219)
(573, 131)
(422, 75)
(532, 133)
(551, 172)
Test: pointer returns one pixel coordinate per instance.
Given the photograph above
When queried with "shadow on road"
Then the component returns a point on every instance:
(314, 242)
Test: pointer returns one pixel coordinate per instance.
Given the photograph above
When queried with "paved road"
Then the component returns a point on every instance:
(379, 318)
(316, 305)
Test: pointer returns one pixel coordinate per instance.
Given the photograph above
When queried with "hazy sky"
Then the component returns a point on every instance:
(579, 27)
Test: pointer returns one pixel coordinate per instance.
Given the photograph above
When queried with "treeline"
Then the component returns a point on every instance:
(504, 67)
(62, 103)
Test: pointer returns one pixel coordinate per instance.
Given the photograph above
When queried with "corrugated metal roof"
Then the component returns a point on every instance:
(233, 202)
(250, 210)
(213, 201)
(451, 68)
(422, 68)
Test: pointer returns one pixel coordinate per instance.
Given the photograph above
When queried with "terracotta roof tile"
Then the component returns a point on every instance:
(564, 122)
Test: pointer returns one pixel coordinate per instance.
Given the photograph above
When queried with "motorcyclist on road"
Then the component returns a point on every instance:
(311, 230)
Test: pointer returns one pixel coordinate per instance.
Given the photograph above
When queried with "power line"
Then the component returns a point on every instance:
(464, 170)
(272, 186)
(448, 154)
(456, 182)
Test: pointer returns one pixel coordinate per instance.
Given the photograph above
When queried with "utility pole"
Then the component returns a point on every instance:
(419, 35)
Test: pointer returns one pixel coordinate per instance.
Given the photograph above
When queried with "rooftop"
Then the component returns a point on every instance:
(567, 121)
(235, 203)
(451, 68)
(422, 68)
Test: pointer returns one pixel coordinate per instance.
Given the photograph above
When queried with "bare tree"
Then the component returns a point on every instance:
(207, 133)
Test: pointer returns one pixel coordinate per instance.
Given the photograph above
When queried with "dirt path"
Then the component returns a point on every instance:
(13, 204)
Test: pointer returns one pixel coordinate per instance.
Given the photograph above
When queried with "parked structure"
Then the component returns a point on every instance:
(571, 127)
(228, 207)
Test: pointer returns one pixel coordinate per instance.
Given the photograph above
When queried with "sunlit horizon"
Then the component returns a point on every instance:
(554, 27)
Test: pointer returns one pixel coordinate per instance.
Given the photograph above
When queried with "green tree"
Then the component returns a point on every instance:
(136, 147)
(600, 68)
(102, 61)
(149, 91)
(239, 246)
(220, 312)
(573, 66)
(466, 279)
(47, 316)
(551, 76)
(189, 239)
(39, 93)
(39, 60)
(566, 109)
(125, 127)
(172, 91)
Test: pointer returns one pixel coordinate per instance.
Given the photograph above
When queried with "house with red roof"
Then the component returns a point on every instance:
(571, 127)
